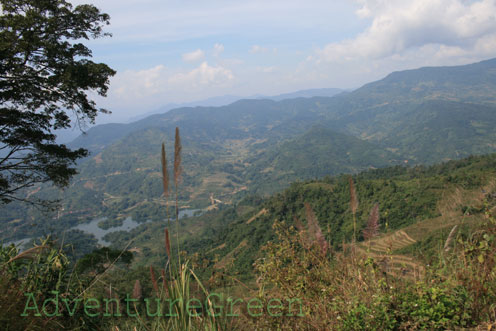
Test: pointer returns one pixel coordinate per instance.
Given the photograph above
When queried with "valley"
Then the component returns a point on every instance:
(261, 146)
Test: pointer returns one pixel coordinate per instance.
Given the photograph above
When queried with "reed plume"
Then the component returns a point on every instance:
(372, 228)
(177, 168)
(165, 173)
(137, 291)
(29, 254)
(154, 280)
(177, 158)
(314, 229)
(177, 179)
(451, 236)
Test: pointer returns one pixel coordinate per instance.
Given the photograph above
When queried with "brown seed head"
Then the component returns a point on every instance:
(372, 228)
(165, 173)
(137, 292)
(314, 229)
(177, 158)
(154, 280)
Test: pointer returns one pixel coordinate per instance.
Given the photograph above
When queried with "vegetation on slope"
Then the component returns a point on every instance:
(261, 146)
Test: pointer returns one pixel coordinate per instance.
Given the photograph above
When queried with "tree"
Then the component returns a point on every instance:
(45, 79)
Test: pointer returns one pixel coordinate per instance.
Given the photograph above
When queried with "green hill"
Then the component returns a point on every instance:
(422, 116)
(423, 201)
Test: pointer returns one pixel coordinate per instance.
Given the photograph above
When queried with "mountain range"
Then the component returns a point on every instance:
(420, 116)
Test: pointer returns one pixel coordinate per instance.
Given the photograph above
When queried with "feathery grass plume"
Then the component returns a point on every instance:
(314, 229)
(177, 179)
(167, 244)
(177, 158)
(372, 228)
(165, 173)
(353, 205)
(451, 236)
(154, 280)
(28, 254)
(137, 291)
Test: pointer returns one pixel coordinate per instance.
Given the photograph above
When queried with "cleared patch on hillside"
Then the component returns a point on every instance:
(257, 215)
(98, 158)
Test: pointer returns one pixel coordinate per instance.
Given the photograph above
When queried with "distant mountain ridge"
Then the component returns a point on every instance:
(99, 136)
(420, 116)
(228, 99)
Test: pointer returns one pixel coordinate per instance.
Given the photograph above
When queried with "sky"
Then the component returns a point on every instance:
(187, 50)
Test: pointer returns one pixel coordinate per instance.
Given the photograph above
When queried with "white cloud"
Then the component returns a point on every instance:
(138, 90)
(383, 36)
(453, 27)
(194, 56)
(131, 84)
(139, 84)
(258, 49)
(218, 49)
(203, 75)
(266, 69)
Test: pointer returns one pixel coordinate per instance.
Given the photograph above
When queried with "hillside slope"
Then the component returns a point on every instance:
(425, 115)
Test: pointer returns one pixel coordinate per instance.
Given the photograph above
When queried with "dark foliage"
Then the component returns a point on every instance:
(45, 77)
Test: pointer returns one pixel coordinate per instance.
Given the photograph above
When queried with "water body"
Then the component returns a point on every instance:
(93, 228)
(128, 224)
(99, 233)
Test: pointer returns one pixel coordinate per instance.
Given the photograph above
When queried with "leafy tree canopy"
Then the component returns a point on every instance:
(45, 79)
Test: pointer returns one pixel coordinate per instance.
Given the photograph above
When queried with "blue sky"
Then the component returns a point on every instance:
(180, 51)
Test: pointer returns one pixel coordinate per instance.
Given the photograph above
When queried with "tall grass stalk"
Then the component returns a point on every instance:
(165, 182)
(176, 278)
(177, 179)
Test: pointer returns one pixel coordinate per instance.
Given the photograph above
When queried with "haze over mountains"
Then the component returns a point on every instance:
(65, 136)
(227, 99)
(260, 146)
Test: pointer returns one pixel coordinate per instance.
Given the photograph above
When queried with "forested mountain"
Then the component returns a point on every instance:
(228, 99)
(425, 115)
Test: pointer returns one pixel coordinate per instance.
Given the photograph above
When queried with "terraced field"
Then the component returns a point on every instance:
(400, 265)
(451, 214)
